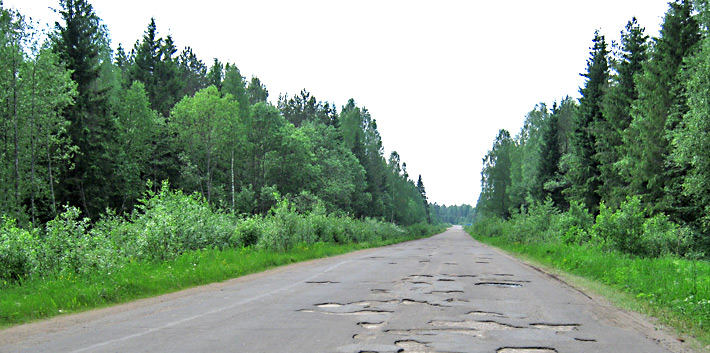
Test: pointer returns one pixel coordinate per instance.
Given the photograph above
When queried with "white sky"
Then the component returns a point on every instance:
(440, 77)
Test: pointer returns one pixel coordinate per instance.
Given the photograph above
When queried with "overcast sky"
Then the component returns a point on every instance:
(440, 77)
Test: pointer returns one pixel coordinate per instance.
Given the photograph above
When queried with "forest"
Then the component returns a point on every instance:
(142, 146)
(626, 167)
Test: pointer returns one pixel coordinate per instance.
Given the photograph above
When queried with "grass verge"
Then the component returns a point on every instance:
(44, 298)
(674, 290)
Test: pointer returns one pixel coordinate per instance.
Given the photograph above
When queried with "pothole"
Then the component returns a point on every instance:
(355, 313)
(485, 313)
(499, 284)
(556, 327)
(445, 280)
(472, 324)
(482, 262)
(322, 282)
(450, 263)
(422, 302)
(371, 325)
(412, 346)
(455, 300)
(585, 339)
(367, 312)
(435, 332)
(526, 350)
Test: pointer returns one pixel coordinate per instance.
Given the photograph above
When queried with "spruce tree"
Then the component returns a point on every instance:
(78, 42)
(629, 59)
(646, 165)
(584, 174)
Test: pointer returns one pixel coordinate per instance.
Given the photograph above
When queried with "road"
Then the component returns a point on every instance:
(447, 293)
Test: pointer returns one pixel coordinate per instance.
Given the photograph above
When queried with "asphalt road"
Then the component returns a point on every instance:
(447, 293)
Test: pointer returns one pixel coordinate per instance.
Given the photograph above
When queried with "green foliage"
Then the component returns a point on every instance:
(630, 230)
(496, 178)
(583, 174)
(170, 222)
(692, 140)
(18, 251)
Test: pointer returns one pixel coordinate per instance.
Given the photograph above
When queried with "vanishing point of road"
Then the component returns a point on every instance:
(447, 293)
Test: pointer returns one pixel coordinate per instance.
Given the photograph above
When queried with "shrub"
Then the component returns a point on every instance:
(64, 240)
(661, 237)
(18, 251)
(574, 225)
(168, 223)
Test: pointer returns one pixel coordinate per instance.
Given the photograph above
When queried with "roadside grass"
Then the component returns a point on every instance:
(672, 289)
(44, 298)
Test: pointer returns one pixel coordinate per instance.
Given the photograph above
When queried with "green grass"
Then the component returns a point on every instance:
(675, 290)
(43, 298)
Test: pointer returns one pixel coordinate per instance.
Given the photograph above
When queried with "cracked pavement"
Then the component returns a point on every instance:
(447, 293)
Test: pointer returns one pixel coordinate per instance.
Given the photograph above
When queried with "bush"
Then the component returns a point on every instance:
(574, 225)
(661, 237)
(630, 231)
(168, 223)
(18, 251)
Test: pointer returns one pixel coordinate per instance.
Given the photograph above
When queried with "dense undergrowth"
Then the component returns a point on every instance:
(172, 241)
(649, 257)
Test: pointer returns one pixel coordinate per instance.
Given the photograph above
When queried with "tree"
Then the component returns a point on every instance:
(155, 66)
(304, 107)
(339, 179)
(235, 85)
(691, 141)
(656, 113)
(494, 200)
(193, 72)
(202, 125)
(584, 174)
(548, 171)
(216, 74)
(78, 41)
(138, 126)
(422, 192)
(630, 56)
(525, 158)
(256, 91)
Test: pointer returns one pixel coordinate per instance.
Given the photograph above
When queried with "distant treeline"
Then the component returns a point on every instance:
(636, 145)
(85, 126)
(461, 215)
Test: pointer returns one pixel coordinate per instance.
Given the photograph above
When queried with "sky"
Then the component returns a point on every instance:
(440, 77)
